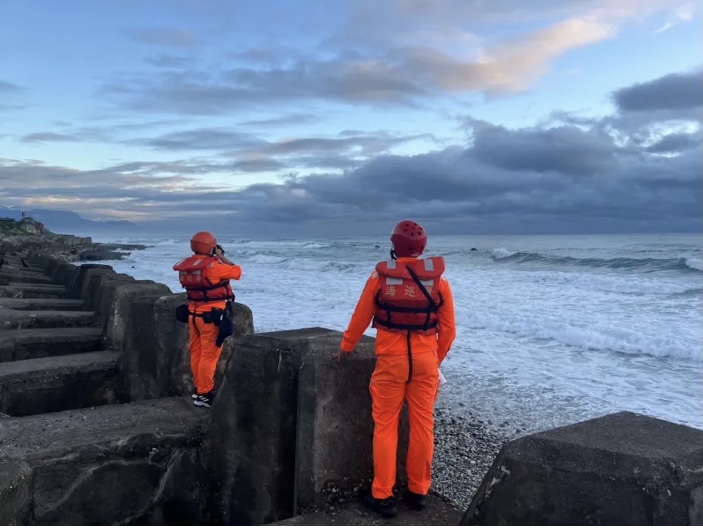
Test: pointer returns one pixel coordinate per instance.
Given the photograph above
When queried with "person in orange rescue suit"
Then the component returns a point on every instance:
(410, 303)
(206, 278)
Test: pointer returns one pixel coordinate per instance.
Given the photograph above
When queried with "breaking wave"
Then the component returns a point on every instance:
(646, 264)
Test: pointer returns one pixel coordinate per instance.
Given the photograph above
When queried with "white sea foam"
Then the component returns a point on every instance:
(695, 263)
(543, 341)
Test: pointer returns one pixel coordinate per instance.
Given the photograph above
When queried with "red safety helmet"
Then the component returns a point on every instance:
(409, 239)
(203, 242)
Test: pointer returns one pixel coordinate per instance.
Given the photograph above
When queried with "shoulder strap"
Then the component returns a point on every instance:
(429, 298)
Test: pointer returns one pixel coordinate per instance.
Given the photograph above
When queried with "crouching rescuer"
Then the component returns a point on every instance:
(206, 278)
(409, 301)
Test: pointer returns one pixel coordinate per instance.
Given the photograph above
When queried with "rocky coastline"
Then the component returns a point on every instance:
(65, 247)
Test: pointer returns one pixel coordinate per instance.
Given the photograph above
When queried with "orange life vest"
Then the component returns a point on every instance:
(191, 274)
(401, 304)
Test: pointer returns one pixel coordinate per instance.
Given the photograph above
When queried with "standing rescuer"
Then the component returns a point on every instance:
(409, 301)
(206, 278)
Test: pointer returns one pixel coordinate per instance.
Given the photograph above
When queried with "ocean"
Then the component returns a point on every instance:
(550, 329)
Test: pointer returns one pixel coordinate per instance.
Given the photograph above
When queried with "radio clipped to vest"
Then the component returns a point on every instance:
(193, 278)
(408, 297)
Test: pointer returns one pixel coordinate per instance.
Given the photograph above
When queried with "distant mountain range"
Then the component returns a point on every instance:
(67, 222)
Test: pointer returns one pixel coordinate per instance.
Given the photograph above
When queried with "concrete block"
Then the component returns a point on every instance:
(171, 344)
(45, 385)
(49, 265)
(251, 446)
(110, 465)
(251, 441)
(15, 493)
(18, 345)
(119, 309)
(143, 374)
(16, 319)
(63, 274)
(333, 419)
(100, 301)
(620, 469)
(59, 305)
(91, 281)
(22, 276)
(80, 275)
(32, 291)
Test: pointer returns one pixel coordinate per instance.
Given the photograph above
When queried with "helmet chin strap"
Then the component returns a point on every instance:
(393, 255)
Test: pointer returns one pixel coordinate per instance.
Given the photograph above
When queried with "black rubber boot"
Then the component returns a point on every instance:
(386, 508)
(416, 501)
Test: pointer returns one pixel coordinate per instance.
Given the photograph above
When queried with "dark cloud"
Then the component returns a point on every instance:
(363, 144)
(169, 37)
(567, 149)
(676, 143)
(565, 175)
(242, 152)
(672, 92)
(49, 137)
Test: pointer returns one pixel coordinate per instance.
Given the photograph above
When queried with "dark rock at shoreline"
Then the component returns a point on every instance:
(122, 246)
(100, 254)
(66, 247)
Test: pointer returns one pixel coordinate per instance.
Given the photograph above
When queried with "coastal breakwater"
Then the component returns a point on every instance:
(97, 426)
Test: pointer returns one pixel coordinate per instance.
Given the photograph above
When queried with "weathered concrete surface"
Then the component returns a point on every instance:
(620, 469)
(251, 447)
(438, 512)
(32, 291)
(91, 281)
(15, 493)
(327, 392)
(15, 264)
(143, 372)
(60, 305)
(119, 312)
(102, 298)
(45, 385)
(13, 275)
(171, 344)
(75, 285)
(119, 464)
(45, 342)
(172, 340)
(63, 274)
(15, 319)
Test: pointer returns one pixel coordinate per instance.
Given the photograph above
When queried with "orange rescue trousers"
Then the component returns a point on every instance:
(204, 353)
(389, 388)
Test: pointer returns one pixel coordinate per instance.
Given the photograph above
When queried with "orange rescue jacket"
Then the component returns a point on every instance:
(192, 274)
(408, 296)
(394, 343)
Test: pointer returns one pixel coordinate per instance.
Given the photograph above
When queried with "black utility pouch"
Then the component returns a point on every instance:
(182, 313)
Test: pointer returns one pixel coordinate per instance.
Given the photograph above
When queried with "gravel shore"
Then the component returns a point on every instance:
(465, 448)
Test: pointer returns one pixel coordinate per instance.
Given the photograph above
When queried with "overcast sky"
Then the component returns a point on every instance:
(317, 116)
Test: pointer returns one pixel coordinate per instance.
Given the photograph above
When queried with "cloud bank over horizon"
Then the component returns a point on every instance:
(354, 130)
